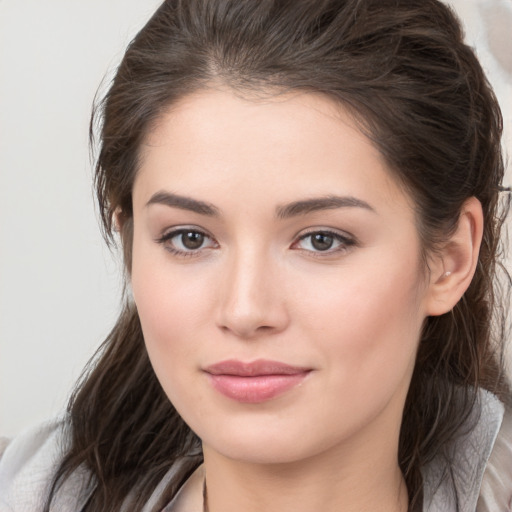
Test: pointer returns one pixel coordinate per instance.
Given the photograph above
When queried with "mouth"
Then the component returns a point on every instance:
(256, 381)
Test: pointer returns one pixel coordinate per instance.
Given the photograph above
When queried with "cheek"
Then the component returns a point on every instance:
(368, 323)
(172, 305)
(172, 309)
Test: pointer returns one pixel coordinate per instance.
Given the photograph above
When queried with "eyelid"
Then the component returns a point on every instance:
(174, 230)
(346, 240)
(170, 233)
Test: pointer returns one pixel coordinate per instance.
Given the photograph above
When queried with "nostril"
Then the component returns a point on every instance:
(250, 304)
(246, 330)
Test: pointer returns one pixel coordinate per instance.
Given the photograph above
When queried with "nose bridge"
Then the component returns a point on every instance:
(252, 300)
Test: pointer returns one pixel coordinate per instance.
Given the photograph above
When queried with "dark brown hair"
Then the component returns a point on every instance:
(418, 92)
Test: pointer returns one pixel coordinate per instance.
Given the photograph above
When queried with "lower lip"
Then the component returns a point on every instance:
(255, 389)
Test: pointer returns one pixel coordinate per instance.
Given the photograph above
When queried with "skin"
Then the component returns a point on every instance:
(258, 288)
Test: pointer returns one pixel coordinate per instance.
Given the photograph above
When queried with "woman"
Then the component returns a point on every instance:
(308, 196)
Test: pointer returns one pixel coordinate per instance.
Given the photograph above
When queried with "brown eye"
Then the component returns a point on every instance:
(328, 242)
(186, 242)
(322, 241)
(192, 240)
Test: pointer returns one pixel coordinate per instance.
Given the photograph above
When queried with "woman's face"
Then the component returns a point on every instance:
(277, 274)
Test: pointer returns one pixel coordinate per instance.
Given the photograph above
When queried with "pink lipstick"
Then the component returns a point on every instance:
(256, 381)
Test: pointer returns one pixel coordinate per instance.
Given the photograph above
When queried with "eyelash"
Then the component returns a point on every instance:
(344, 241)
(166, 238)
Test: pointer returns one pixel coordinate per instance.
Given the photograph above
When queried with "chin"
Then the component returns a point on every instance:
(262, 442)
(262, 451)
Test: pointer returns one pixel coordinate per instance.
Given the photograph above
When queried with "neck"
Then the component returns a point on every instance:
(346, 485)
(359, 473)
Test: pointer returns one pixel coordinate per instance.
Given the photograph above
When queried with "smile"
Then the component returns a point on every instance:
(254, 382)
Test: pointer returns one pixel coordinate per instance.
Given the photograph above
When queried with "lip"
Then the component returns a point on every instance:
(256, 381)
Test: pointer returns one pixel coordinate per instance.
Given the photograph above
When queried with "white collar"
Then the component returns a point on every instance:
(190, 497)
(455, 485)
(448, 487)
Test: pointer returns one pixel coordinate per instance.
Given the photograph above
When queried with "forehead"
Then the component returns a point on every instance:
(279, 146)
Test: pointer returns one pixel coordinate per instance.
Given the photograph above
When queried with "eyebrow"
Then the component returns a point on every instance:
(321, 203)
(184, 203)
(296, 208)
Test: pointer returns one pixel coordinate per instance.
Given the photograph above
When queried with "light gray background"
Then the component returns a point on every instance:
(59, 287)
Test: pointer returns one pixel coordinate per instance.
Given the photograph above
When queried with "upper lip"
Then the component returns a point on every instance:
(256, 368)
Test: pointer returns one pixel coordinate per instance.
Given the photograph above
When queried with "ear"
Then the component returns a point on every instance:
(454, 265)
(123, 226)
(117, 220)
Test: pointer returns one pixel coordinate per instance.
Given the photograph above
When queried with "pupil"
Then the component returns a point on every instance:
(322, 242)
(192, 240)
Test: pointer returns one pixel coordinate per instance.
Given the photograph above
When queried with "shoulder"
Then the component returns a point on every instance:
(28, 465)
(473, 471)
(496, 490)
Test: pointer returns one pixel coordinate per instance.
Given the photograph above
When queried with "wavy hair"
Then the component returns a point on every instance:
(402, 69)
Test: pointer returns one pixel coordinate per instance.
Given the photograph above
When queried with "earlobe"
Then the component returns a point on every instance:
(123, 226)
(455, 264)
(117, 220)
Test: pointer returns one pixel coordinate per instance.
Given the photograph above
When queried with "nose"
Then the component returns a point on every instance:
(252, 297)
